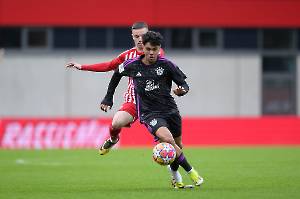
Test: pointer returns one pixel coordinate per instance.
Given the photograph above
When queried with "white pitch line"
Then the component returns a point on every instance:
(25, 162)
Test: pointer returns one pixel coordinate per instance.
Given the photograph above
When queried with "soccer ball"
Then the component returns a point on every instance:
(164, 153)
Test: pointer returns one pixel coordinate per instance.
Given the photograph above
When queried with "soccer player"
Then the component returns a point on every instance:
(127, 114)
(152, 78)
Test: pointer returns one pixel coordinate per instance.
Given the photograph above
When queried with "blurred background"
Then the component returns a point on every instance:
(241, 59)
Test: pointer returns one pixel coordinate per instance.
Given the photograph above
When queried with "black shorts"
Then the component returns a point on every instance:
(171, 121)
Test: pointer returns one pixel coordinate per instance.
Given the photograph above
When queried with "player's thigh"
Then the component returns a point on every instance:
(164, 135)
(130, 108)
(153, 123)
(122, 119)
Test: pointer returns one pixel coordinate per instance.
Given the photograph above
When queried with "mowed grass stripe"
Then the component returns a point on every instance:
(131, 173)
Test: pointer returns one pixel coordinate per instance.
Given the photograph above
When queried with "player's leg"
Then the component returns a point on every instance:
(175, 122)
(175, 174)
(173, 168)
(176, 178)
(153, 125)
(175, 128)
(120, 120)
(123, 118)
(197, 179)
(165, 135)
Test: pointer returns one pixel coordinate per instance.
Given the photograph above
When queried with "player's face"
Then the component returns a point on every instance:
(137, 37)
(151, 53)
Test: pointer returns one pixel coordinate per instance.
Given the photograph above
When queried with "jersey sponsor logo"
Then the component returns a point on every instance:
(138, 74)
(159, 71)
(153, 122)
(150, 85)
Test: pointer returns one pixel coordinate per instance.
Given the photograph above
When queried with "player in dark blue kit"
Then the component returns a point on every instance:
(152, 76)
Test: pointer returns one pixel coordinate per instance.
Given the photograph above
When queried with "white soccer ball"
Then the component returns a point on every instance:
(164, 153)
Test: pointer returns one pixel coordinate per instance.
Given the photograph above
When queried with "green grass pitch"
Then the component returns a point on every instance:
(130, 173)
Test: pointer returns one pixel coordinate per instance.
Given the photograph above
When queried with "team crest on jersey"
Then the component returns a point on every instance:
(150, 85)
(159, 71)
(153, 122)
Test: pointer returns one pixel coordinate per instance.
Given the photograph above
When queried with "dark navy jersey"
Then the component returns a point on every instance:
(152, 84)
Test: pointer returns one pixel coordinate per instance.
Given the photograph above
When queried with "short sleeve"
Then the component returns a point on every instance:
(177, 75)
(125, 69)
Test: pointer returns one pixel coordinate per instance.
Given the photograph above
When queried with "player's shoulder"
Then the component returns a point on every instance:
(163, 59)
(128, 62)
(162, 52)
(126, 52)
(167, 63)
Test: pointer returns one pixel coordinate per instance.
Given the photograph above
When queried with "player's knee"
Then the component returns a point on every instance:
(168, 139)
(121, 119)
(117, 124)
(178, 141)
(179, 144)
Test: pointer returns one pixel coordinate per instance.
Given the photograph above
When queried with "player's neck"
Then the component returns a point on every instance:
(147, 62)
(139, 50)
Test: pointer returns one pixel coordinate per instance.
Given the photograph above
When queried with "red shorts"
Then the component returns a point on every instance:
(130, 108)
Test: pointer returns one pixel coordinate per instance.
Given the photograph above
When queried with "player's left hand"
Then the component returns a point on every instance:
(179, 91)
(105, 107)
(73, 65)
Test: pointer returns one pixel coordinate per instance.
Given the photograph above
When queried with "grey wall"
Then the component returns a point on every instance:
(224, 85)
(39, 85)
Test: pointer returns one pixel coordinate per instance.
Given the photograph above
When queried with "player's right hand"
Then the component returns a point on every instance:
(179, 91)
(73, 65)
(105, 107)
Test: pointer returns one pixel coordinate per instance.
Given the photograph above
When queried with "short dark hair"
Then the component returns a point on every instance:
(139, 25)
(154, 38)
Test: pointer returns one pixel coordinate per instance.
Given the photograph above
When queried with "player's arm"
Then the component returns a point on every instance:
(99, 67)
(179, 78)
(121, 71)
(107, 101)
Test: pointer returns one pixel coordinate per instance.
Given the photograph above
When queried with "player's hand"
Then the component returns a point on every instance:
(105, 107)
(179, 91)
(73, 65)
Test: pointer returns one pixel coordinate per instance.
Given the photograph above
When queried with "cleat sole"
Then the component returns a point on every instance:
(188, 186)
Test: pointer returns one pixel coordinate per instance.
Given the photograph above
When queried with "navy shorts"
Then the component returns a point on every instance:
(171, 121)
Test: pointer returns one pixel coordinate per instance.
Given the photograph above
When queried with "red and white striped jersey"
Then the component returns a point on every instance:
(129, 95)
